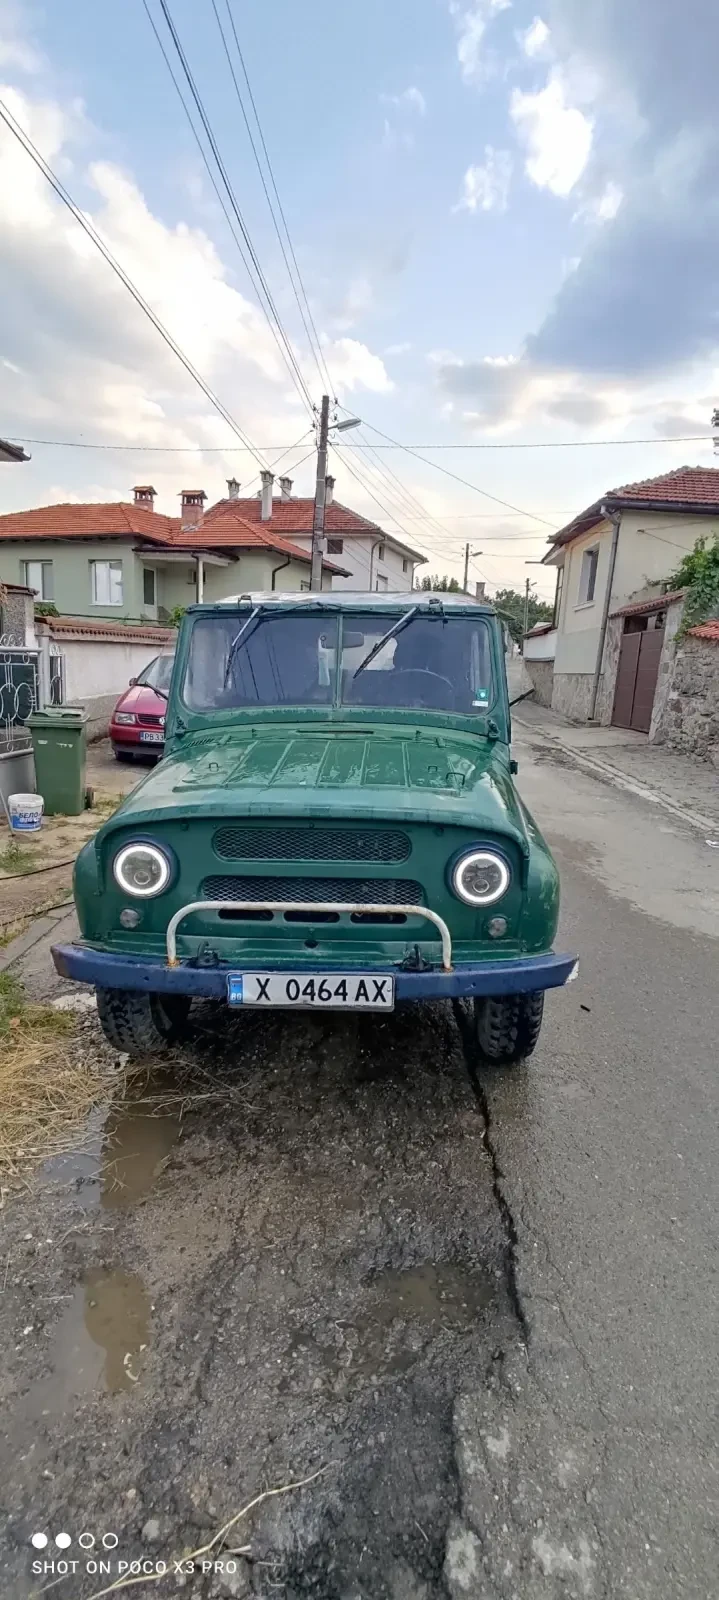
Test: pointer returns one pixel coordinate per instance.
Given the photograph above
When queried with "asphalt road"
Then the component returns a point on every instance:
(486, 1311)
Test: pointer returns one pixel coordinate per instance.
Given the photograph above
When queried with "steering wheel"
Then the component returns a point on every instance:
(438, 700)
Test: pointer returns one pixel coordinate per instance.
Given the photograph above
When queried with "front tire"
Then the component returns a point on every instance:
(506, 1028)
(141, 1024)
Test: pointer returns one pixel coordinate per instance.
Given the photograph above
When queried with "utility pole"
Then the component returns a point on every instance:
(318, 521)
(527, 586)
(469, 555)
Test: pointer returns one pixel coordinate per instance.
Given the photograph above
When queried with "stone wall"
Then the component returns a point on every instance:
(610, 665)
(16, 616)
(572, 694)
(665, 676)
(541, 676)
(690, 718)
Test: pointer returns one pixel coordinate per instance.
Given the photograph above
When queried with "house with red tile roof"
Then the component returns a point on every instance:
(127, 561)
(615, 559)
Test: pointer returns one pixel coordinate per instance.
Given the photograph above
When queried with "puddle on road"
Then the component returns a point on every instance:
(406, 1308)
(124, 1146)
(136, 1142)
(100, 1342)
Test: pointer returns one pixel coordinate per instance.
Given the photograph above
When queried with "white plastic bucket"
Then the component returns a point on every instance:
(25, 812)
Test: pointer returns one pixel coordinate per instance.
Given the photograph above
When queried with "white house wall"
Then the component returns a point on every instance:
(356, 556)
(651, 546)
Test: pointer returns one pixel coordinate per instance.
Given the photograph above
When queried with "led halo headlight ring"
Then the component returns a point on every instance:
(497, 870)
(153, 874)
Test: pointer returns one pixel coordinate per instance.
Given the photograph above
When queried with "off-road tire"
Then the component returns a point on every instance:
(507, 1027)
(139, 1023)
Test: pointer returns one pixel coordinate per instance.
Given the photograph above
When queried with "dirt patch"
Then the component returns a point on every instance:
(295, 1268)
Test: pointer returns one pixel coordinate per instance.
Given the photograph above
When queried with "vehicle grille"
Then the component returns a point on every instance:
(147, 720)
(309, 844)
(365, 891)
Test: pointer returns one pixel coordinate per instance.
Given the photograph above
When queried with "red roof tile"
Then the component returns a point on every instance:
(706, 630)
(293, 516)
(121, 632)
(102, 520)
(693, 488)
(644, 608)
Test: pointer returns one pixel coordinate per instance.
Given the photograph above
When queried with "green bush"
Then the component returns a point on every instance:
(698, 573)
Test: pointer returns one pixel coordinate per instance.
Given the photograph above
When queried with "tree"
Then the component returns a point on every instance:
(698, 573)
(444, 584)
(510, 605)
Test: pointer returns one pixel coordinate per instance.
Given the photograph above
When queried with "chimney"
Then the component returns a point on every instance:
(145, 496)
(192, 511)
(233, 488)
(268, 479)
(329, 491)
(286, 487)
(480, 591)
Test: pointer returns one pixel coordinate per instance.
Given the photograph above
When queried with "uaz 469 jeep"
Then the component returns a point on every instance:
(334, 826)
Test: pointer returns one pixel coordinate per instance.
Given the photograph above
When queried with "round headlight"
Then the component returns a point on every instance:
(480, 878)
(142, 870)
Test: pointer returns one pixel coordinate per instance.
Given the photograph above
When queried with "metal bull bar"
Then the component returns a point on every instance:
(306, 905)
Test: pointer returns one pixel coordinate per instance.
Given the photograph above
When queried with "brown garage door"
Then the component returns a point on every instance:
(637, 679)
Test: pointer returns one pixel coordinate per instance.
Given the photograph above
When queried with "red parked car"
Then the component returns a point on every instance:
(137, 725)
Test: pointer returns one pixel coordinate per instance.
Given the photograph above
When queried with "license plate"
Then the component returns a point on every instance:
(336, 991)
(152, 738)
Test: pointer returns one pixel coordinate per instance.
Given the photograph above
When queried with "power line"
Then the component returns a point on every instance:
(258, 279)
(546, 444)
(465, 481)
(92, 233)
(305, 312)
(559, 444)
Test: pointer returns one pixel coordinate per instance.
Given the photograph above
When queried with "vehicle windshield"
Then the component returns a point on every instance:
(157, 674)
(434, 662)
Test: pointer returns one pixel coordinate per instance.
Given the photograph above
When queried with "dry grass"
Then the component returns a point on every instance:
(47, 1088)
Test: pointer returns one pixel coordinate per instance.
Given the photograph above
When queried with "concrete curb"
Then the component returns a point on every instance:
(39, 929)
(605, 769)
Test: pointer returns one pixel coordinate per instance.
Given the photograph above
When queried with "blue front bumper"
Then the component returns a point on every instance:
(519, 975)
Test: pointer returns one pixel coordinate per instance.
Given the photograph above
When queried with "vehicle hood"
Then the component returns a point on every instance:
(392, 773)
(140, 699)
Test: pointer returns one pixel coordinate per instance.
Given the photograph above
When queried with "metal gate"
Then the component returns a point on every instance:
(637, 675)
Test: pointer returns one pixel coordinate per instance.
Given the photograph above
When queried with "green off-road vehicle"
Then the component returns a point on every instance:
(334, 826)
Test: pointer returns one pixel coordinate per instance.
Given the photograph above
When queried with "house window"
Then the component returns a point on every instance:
(148, 586)
(380, 553)
(588, 576)
(382, 582)
(405, 567)
(106, 583)
(335, 547)
(37, 575)
(558, 597)
(304, 588)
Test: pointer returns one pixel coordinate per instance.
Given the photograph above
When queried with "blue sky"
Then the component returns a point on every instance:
(505, 216)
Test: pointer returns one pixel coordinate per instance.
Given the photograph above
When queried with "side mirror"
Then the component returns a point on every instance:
(132, 683)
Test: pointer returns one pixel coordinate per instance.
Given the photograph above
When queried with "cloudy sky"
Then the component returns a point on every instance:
(506, 219)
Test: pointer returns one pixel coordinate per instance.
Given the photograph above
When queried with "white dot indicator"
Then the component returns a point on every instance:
(63, 1540)
(86, 1540)
(38, 1541)
(110, 1541)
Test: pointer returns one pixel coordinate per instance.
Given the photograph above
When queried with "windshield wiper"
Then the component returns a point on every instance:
(234, 647)
(398, 626)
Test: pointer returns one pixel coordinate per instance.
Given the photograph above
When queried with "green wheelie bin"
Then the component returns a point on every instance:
(60, 750)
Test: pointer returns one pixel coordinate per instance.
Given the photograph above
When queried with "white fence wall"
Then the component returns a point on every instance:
(98, 670)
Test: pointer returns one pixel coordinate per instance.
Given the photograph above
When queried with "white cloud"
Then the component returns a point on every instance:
(535, 40)
(401, 349)
(356, 367)
(486, 187)
(557, 136)
(606, 205)
(471, 26)
(411, 99)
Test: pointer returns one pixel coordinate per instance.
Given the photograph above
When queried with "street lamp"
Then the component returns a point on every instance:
(349, 422)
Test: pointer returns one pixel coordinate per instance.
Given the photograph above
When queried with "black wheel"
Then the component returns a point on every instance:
(141, 1023)
(122, 755)
(507, 1027)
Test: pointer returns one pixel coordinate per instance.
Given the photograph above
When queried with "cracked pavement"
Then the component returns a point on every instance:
(487, 1308)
